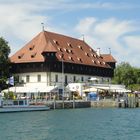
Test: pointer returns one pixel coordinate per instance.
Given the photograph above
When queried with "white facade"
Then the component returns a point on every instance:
(53, 78)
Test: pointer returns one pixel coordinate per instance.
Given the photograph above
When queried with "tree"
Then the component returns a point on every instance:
(125, 74)
(4, 62)
(137, 75)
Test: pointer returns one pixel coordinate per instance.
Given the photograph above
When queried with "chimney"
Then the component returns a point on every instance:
(109, 50)
(98, 51)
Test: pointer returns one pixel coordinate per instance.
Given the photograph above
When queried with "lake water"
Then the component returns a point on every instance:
(72, 124)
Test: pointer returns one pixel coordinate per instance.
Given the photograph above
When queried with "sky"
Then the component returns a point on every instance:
(105, 24)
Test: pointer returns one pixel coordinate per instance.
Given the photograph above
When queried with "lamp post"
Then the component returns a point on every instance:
(63, 80)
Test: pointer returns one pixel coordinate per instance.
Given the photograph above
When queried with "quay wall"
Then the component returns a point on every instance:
(111, 104)
(104, 104)
(87, 104)
(69, 104)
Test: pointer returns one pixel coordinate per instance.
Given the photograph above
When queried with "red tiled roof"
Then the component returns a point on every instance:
(73, 50)
(108, 58)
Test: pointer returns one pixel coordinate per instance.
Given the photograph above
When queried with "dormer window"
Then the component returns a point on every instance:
(33, 55)
(80, 47)
(93, 61)
(69, 45)
(71, 58)
(31, 48)
(90, 49)
(86, 54)
(56, 42)
(20, 56)
(61, 50)
(79, 59)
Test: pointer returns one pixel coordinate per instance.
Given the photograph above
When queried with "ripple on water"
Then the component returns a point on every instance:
(72, 124)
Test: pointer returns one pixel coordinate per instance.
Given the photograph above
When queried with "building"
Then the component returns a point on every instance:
(51, 59)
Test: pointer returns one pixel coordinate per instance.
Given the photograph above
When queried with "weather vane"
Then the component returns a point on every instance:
(109, 50)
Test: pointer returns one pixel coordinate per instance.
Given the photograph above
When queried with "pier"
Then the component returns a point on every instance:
(130, 101)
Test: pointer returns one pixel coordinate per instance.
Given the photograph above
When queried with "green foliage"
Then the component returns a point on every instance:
(134, 87)
(4, 62)
(127, 75)
(9, 95)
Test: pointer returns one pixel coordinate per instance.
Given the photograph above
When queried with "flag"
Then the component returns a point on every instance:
(11, 80)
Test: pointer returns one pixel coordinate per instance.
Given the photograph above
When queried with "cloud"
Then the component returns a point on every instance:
(111, 33)
(85, 25)
(133, 43)
(21, 21)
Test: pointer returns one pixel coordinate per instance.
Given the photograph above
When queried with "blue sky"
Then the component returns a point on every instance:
(105, 24)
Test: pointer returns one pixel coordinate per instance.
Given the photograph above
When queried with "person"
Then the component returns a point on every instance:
(1, 100)
(118, 97)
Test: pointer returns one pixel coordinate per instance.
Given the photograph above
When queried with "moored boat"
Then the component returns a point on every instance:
(20, 106)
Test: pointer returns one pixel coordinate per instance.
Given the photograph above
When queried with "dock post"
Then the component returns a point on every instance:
(137, 100)
(54, 103)
(129, 100)
(73, 102)
(63, 105)
(1, 101)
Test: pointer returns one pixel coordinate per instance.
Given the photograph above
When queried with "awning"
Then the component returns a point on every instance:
(93, 89)
(31, 89)
(111, 88)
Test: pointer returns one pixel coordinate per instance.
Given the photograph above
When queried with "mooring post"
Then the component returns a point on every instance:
(73, 102)
(54, 103)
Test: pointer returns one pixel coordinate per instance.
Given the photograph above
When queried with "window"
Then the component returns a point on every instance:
(27, 78)
(82, 79)
(66, 79)
(39, 78)
(56, 78)
(74, 78)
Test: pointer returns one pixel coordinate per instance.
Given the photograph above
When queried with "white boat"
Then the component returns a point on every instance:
(20, 106)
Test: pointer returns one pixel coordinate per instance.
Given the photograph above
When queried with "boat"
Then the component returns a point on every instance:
(20, 105)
